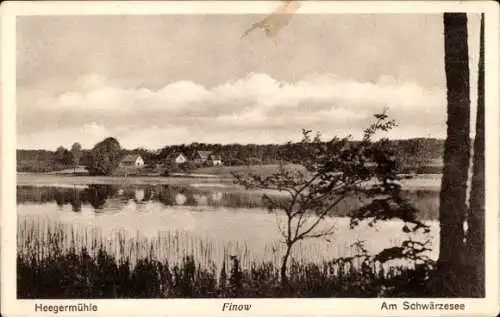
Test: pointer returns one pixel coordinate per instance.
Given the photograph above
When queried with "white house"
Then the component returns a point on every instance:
(176, 158)
(132, 160)
(207, 158)
(180, 159)
(215, 160)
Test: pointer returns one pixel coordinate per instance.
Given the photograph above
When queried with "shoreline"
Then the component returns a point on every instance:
(423, 182)
(55, 180)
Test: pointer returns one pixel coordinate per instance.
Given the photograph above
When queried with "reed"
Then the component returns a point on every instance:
(41, 237)
(57, 260)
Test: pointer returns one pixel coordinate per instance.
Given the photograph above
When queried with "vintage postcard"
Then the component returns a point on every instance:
(252, 158)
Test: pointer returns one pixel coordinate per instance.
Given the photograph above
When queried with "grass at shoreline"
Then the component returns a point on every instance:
(54, 180)
(265, 169)
(424, 181)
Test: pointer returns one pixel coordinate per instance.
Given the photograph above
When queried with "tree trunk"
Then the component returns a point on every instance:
(452, 209)
(475, 218)
(284, 277)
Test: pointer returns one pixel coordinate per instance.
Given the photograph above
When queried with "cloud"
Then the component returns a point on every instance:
(256, 108)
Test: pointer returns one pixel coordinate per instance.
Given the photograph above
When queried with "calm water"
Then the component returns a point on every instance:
(192, 219)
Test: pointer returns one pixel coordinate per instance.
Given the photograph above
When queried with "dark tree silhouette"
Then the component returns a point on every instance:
(62, 157)
(453, 207)
(104, 157)
(59, 154)
(475, 218)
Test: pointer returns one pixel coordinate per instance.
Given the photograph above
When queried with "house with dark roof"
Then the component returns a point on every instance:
(201, 157)
(132, 160)
(215, 160)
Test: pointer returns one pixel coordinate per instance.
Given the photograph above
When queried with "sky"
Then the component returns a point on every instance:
(151, 81)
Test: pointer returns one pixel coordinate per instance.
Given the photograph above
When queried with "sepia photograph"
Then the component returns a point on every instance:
(241, 151)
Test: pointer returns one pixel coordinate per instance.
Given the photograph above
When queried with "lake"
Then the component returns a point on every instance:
(211, 221)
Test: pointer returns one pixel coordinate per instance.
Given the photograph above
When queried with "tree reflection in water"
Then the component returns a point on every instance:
(98, 194)
(76, 201)
(106, 197)
(59, 198)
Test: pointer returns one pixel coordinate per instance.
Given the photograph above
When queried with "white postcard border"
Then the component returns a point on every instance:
(260, 307)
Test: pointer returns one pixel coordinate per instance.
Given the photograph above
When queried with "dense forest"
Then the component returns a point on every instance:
(419, 155)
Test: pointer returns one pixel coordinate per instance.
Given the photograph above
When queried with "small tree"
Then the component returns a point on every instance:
(59, 154)
(62, 157)
(76, 152)
(333, 170)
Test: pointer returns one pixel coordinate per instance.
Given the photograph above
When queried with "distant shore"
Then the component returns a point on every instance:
(53, 179)
(424, 181)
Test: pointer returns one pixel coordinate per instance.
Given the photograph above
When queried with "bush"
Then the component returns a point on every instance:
(166, 173)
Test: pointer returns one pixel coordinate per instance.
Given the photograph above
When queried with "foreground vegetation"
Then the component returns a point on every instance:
(52, 265)
(76, 274)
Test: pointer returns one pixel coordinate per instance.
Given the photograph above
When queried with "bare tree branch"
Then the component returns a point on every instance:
(335, 169)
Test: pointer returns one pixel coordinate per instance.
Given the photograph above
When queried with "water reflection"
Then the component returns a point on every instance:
(98, 194)
(76, 202)
(111, 197)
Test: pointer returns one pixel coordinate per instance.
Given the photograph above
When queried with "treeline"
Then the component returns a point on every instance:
(411, 152)
(39, 161)
(414, 152)
(412, 155)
